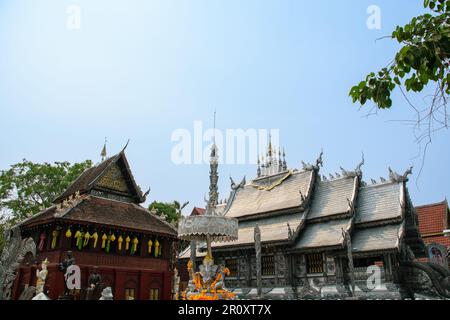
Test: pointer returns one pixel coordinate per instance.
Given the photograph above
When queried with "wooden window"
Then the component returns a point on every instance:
(268, 266)
(314, 263)
(130, 294)
(154, 294)
(232, 265)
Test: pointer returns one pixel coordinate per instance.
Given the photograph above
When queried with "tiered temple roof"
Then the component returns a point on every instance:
(309, 213)
(104, 195)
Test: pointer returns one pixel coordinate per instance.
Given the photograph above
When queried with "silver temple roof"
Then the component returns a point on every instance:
(255, 197)
(379, 202)
(297, 208)
(332, 197)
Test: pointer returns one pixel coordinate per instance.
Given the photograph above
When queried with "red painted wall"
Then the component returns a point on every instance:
(118, 271)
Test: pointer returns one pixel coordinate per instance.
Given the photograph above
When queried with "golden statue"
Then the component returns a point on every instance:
(41, 276)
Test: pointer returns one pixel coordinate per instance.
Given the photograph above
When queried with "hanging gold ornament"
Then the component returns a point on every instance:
(104, 237)
(127, 243)
(95, 237)
(55, 234)
(79, 237)
(134, 247)
(87, 236)
(68, 233)
(119, 242)
(150, 243)
(156, 248)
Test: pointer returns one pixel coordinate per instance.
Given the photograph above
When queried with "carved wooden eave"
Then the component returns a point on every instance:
(70, 222)
(366, 254)
(307, 198)
(35, 216)
(322, 249)
(402, 198)
(401, 234)
(378, 223)
(336, 216)
(249, 246)
(300, 227)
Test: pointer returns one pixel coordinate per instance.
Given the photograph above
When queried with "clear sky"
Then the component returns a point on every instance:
(139, 70)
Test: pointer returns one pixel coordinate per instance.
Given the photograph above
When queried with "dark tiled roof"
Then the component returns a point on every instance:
(108, 212)
(85, 179)
(44, 215)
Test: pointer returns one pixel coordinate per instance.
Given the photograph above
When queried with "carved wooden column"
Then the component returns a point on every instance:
(339, 271)
(248, 275)
(257, 236)
(194, 255)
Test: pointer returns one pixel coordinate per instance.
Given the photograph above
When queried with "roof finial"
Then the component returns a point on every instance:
(214, 132)
(258, 170)
(213, 175)
(126, 145)
(269, 148)
(103, 153)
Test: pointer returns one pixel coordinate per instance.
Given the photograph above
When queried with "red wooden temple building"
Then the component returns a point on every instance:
(434, 224)
(99, 218)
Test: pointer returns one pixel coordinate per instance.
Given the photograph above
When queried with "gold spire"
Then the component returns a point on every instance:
(270, 145)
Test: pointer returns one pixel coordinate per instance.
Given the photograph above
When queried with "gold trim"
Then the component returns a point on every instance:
(273, 185)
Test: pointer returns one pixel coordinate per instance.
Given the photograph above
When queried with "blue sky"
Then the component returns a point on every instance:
(139, 70)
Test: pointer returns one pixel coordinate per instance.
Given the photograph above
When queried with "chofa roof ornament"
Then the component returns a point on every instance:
(355, 173)
(235, 186)
(311, 167)
(395, 177)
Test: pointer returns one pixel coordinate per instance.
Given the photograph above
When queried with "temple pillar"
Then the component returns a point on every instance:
(387, 267)
(339, 271)
(248, 276)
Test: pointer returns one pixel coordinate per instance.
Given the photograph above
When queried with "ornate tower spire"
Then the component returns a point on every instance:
(258, 171)
(103, 153)
(213, 175)
(280, 163)
(284, 161)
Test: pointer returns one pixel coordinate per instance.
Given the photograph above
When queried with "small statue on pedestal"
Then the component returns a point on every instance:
(94, 282)
(41, 276)
(63, 266)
